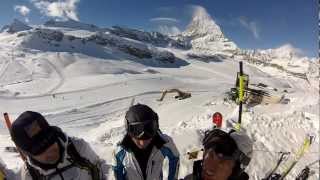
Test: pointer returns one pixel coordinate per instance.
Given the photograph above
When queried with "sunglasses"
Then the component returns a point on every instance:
(45, 139)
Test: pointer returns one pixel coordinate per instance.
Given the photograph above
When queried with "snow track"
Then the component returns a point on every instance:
(60, 76)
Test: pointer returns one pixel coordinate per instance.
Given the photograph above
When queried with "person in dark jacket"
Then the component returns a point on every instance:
(225, 156)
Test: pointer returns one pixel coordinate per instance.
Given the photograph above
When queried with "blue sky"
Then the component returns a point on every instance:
(249, 23)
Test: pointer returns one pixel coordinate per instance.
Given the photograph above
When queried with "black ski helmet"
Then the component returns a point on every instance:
(141, 121)
(235, 145)
(32, 133)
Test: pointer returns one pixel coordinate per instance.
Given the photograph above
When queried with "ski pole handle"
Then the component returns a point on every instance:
(7, 120)
(8, 123)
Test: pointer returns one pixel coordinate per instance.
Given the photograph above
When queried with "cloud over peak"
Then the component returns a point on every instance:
(251, 26)
(23, 10)
(62, 9)
(164, 19)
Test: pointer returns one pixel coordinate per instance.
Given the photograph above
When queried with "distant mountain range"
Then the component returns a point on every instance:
(203, 39)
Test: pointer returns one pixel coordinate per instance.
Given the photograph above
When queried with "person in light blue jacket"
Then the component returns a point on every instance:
(142, 151)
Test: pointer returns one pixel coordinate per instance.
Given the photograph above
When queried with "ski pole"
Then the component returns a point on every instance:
(8, 123)
(241, 93)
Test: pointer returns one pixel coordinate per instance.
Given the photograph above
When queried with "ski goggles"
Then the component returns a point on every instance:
(142, 130)
(43, 141)
(221, 153)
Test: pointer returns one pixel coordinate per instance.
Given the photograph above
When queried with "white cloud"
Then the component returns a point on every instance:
(23, 10)
(164, 19)
(169, 30)
(251, 26)
(27, 20)
(63, 9)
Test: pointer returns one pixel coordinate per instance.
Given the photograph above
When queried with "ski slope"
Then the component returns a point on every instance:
(91, 105)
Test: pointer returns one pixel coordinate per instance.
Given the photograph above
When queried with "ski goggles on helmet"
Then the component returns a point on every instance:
(142, 130)
(224, 146)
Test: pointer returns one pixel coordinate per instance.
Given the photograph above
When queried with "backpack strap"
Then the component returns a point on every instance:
(82, 162)
(34, 173)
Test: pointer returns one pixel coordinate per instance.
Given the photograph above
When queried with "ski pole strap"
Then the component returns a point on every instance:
(304, 174)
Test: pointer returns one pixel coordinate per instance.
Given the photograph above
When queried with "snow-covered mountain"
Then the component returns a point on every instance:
(97, 44)
(154, 38)
(15, 26)
(285, 58)
(206, 36)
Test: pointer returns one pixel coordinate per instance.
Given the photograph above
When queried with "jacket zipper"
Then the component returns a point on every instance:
(153, 153)
(137, 166)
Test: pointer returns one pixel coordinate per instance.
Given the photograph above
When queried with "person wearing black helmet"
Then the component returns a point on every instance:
(51, 154)
(225, 156)
(141, 153)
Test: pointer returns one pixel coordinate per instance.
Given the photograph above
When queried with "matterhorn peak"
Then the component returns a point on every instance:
(202, 24)
(205, 35)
